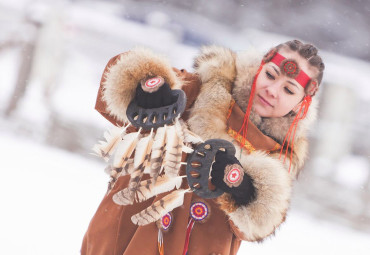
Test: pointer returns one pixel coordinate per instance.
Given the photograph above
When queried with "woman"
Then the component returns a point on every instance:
(261, 104)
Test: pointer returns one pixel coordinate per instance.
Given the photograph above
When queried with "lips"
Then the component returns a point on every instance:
(264, 101)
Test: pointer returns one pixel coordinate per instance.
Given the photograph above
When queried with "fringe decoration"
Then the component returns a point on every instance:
(124, 151)
(158, 152)
(172, 157)
(147, 189)
(160, 208)
(104, 149)
(187, 149)
(163, 184)
(142, 154)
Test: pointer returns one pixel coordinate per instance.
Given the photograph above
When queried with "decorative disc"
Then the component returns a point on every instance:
(233, 175)
(290, 68)
(199, 211)
(153, 82)
(166, 221)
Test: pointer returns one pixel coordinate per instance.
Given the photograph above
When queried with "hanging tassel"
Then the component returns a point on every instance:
(187, 238)
(199, 212)
(160, 242)
(163, 225)
(290, 136)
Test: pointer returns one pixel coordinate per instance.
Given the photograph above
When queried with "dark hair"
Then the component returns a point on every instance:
(307, 51)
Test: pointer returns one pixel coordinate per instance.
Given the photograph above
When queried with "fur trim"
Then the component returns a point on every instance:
(299, 156)
(226, 203)
(247, 63)
(215, 61)
(261, 217)
(122, 78)
(216, 69)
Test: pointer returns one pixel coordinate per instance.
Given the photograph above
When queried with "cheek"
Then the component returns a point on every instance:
(261, 82)
(288, 103)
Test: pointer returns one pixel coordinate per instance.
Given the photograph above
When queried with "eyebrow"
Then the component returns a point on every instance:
(293, 83)
(277, 71)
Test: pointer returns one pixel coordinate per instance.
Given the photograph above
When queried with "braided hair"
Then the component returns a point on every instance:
(307, 51)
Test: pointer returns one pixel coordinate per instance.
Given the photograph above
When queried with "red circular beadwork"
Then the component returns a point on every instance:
(199, 211)
(290, 67)
(151, 83)
(234, 175)
(166, 221)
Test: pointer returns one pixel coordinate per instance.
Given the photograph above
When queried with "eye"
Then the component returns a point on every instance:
(270, 76)
(289, 91)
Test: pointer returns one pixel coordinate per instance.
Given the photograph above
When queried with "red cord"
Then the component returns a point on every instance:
(188, 231)
(244, 127)
(302, 112)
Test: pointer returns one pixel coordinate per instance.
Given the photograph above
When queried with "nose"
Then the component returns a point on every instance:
(272, 90)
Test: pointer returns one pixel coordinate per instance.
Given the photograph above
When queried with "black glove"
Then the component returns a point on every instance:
(159, 98)
(229, 176)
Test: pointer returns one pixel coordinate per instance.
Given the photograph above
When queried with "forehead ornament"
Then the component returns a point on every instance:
(289, 67)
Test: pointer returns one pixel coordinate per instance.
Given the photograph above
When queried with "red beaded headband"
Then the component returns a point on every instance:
(291, 69)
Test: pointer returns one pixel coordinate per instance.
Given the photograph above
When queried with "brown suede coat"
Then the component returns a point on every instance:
(111, 230)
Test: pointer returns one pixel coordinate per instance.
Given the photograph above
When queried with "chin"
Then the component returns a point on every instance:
(263, 113)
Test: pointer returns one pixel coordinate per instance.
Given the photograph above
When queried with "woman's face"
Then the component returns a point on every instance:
(277, 94)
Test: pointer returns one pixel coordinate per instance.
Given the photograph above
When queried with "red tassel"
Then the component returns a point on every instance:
(244, 127)
(188, 231)
(301, 114)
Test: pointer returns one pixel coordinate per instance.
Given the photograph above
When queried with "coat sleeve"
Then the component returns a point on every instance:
(101, 105)
(261, 217)
(129, 77)
(121, 77)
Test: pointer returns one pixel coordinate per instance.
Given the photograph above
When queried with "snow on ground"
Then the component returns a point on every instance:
(48, 197)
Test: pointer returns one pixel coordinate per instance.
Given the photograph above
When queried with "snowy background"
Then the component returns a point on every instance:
(52, 54)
